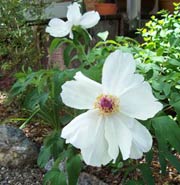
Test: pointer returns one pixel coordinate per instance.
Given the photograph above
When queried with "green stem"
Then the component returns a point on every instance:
(32, 115)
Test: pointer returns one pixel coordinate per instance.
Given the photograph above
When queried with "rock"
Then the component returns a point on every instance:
(16, 149)
(87, 179)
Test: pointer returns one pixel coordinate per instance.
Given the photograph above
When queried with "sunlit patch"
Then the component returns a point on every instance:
(3, 97)
(107, 104)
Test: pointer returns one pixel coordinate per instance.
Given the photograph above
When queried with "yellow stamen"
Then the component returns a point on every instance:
(107, 104)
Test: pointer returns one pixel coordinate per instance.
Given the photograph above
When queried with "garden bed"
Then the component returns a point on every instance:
(33, 175)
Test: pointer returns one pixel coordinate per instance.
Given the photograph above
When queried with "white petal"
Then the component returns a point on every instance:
(131, 82)
(136, 153)
(80, 132)
(139, 102)
(118, 136)
(117, 69)
(80, 93)
(97, 153)
(89, 19)
(142, 140)
(58, 28)
(87, 133)
(74, 14)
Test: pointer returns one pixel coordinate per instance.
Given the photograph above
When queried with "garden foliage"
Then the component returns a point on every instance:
(158, 60)
(18, 38)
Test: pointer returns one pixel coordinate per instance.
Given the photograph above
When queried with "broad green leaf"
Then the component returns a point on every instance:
(166, 89)
(161, 145)
(149, 157)
(57, 147)
(74, 166)
(54, 177)
(174, 62)
(168, 131)
(44, 156)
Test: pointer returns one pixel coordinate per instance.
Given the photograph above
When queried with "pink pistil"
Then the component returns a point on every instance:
(106, 103)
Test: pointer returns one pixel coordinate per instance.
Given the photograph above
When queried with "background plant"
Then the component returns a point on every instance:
(19, 41)
(159, 61)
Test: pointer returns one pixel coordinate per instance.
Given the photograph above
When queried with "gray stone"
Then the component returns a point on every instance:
(16, 149)
(87, 179)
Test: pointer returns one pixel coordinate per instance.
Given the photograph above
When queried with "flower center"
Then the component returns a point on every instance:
(107, 104)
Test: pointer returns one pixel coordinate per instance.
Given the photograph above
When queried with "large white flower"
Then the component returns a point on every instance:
(110, 124)
(59, 28)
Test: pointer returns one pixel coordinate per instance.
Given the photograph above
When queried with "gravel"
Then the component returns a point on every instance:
(24, 176)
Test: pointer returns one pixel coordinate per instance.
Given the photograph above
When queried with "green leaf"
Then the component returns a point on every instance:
(54, 177)
(149, 74)
(74, 166)
(174, 62)
(173, 160)
(168, 131)
(177, 107)
(51, 138)
(163, 162)
(161, 144)
(134, 182)
(166, 89)
(34, 98)
(54, 44)
(67, 55)
(147, 174)
(82, 35)
(149, 157)
(44, 156)
(94, 72)
(57, 147)
(61, 159)
(157, 85)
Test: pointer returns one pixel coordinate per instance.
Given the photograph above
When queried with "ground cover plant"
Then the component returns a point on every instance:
(148, 115)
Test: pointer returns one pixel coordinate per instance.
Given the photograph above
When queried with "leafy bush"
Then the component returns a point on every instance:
(18, 39)
(161, 66)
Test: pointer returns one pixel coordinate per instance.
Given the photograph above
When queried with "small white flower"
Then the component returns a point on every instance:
(59, 28)
(110, 123)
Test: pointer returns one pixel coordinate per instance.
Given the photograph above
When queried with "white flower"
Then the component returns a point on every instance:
(110, 123)
(59, 28)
